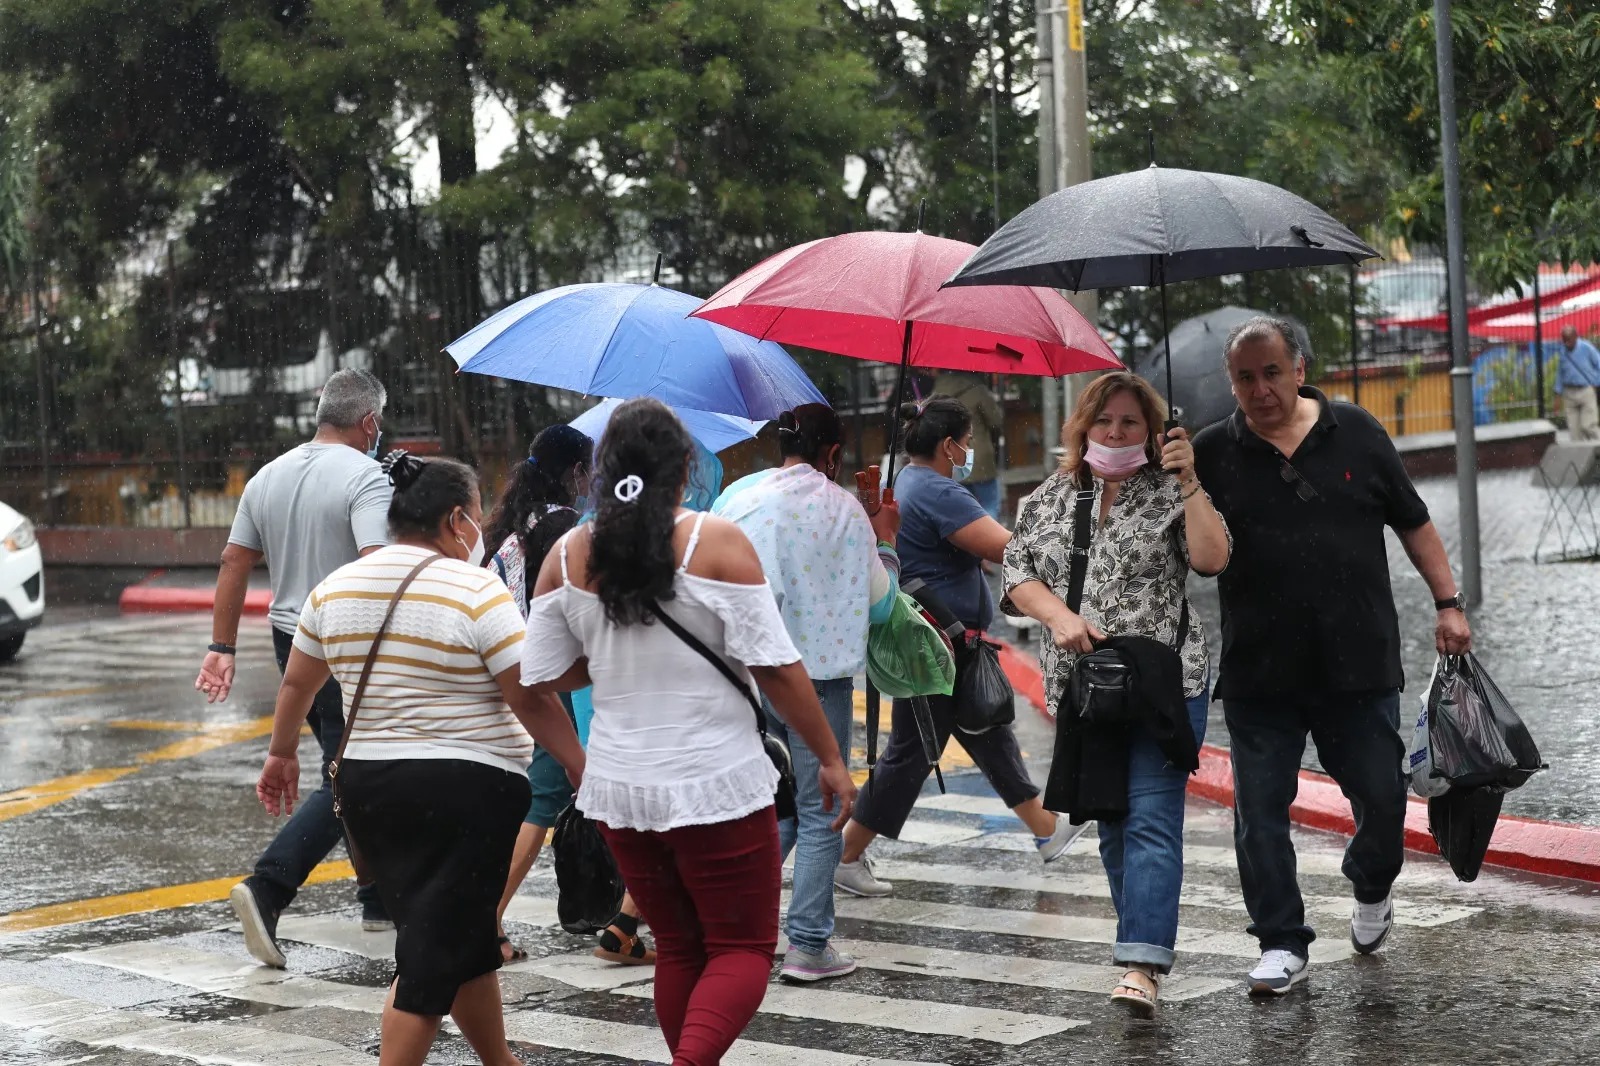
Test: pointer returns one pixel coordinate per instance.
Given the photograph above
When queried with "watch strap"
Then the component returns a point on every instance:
(222, 649)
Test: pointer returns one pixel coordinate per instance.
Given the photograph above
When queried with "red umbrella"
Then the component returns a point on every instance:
(876, 295)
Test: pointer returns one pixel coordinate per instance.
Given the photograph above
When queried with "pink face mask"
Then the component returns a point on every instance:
(1115, 463)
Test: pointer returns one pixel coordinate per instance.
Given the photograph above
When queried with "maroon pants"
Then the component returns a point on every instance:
(710, 895)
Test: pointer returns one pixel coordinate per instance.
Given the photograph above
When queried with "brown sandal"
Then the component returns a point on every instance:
(516, 954)
(1139, 992)
(617, 946)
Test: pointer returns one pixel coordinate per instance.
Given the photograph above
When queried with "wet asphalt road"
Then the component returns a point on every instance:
(116, 779)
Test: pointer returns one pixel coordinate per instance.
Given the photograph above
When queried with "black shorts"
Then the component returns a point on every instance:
(437, 835)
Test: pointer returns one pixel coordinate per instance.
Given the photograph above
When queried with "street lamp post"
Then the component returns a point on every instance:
(1455, 262)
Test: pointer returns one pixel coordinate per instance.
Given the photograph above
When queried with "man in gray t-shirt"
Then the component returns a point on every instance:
(306, 513)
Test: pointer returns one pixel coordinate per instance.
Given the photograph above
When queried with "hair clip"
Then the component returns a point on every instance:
(628, 489)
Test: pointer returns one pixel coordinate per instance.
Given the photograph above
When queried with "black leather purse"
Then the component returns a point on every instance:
(783, 800)
(1100, 689)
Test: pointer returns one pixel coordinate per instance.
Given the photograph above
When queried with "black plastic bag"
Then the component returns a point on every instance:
(1462, 823)
(983, 695)
(589, 888)
(1476, 738)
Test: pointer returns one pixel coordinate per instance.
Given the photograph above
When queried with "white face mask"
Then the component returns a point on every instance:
(475, 551)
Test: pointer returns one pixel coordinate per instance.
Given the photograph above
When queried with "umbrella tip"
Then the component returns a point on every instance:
(1150, 139)
(922, 213)
(655, 278)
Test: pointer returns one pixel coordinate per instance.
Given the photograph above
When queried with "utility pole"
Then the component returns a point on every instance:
(1071, 116)
(1455, 263)
(1050, 407)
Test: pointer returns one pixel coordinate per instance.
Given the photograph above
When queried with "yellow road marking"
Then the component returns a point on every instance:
(48, 793)
(92, 690)
(150, 899)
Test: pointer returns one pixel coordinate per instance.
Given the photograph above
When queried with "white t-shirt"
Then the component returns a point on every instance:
(672, 743)
(433, 693)
(310, 511)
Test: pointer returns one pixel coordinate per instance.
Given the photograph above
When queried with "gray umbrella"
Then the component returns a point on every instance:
(1197, 370)
(1156, 225)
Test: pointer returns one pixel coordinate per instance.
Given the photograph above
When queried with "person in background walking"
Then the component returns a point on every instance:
(308, 512)
(678, 780)
(545, 497)
(816, 543)
(944, 538)
(433, 778)
(1310, 637)
(988, 429)
(1153, 522)
(1579, 379)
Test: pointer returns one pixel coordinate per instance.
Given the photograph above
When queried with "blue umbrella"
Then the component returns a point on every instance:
(713, 430)
(628, 341)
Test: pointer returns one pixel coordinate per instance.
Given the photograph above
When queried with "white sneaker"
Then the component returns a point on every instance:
(1066, 835)
(806, 967)
(1277, 972)
(858, 879)
(1370, 924)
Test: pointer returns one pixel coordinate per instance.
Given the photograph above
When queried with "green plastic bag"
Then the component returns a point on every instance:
(908, 656)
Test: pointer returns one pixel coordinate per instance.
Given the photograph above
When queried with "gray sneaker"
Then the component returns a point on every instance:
(260, 927)
(1056, 844)
(808, 966)
(857, 879)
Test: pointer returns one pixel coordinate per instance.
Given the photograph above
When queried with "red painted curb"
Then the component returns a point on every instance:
(1555, 849)
(146, 599)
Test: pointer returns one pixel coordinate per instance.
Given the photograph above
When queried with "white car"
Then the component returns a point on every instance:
(21, 582)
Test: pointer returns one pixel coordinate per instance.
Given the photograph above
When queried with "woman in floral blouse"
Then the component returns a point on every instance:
(1153, 524)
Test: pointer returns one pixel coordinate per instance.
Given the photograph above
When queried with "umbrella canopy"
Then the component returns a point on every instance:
(876, 295)
(1156, 225)
(1198, 373)
(716, 432)
(634, 340)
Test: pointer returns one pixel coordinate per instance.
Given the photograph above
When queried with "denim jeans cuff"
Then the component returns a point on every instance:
(1143, 955)
(808, 948)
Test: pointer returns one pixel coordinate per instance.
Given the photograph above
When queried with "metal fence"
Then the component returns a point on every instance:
(149, 397)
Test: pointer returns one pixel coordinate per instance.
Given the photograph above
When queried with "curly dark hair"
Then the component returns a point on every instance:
(926, 424)
(425, 492)
(536, 484)
(630, 554)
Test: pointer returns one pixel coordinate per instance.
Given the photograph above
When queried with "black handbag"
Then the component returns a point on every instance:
(1100, 689)
(783, 800)
(983, 696)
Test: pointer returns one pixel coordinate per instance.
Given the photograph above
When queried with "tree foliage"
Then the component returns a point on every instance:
(1527, 79)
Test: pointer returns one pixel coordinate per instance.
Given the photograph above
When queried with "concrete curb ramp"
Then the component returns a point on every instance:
(1555, 849)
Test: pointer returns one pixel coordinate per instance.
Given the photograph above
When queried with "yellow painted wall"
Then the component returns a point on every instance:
(1402, 404)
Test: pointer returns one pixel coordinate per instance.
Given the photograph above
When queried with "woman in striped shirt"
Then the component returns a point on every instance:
(433, 781)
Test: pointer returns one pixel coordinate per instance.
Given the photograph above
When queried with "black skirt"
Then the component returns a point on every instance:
(437, 836)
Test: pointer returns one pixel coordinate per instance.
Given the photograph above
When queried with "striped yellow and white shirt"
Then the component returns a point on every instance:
(433, 693)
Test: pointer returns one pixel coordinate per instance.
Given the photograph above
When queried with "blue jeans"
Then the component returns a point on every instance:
(810, 925)
(313, 830)
(988, 494)
(1143, 853)
(1358, 742)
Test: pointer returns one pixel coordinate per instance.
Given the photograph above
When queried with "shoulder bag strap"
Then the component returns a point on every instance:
(1082, 536)
(715, 660)
(372, 657)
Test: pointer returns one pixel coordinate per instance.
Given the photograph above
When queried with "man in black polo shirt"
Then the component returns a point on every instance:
(1310, 638)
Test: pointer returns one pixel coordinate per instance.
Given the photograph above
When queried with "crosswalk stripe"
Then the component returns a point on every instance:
(963, 803)
(1056, 927)
(1406, 912)
(225, 976)
(1015, 970)
(69, 1018)
(905, 1015)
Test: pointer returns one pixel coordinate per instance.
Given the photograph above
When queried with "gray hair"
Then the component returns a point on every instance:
(1264, 328)
(348, 397)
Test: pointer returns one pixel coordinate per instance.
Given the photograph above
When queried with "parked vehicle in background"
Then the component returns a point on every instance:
(21, 581)
(1393, 294)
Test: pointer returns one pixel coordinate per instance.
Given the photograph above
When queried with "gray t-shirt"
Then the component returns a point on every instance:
(310, 511)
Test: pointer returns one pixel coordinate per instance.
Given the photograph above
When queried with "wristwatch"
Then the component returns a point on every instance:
(1458, 601)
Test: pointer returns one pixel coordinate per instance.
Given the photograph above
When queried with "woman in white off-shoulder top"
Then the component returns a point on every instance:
(676, 775)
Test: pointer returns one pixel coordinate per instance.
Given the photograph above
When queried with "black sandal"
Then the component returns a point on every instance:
(617, 946)
(517, 954)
